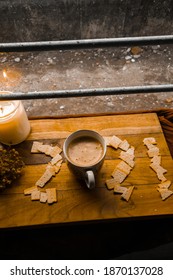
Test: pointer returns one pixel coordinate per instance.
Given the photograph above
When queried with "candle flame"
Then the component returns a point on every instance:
(4, 74)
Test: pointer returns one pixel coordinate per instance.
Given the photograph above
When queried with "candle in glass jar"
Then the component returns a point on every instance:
(14, 123)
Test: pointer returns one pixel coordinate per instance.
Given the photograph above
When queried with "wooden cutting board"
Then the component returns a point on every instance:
(75, 202)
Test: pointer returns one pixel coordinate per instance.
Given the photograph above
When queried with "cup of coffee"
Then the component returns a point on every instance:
(85, 151)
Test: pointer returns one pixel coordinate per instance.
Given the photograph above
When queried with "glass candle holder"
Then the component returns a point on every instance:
(14, 123)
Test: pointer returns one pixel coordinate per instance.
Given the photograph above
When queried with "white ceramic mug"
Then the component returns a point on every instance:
(92, 150)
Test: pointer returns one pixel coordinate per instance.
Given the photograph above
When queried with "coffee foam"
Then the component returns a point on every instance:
(85, 151)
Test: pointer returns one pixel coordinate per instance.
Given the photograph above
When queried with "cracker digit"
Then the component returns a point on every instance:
(119, 175)
(35, 195)
(127, 194)
(43, 197)
(51, 195)
(115, 142)
(44, 179)
(30, 190)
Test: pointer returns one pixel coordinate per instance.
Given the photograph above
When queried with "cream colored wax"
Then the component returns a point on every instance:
(14, 124)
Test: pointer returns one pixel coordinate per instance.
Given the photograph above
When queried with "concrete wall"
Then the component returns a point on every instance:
(40, 20)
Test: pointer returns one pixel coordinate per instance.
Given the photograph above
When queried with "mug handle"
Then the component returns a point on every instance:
(90, 179)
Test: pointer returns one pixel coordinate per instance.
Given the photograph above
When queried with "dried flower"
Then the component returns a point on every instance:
(11, 166)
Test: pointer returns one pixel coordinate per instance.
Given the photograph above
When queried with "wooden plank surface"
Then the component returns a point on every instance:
(75, 202)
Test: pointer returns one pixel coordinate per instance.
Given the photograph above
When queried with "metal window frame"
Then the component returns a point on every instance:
(87, 43)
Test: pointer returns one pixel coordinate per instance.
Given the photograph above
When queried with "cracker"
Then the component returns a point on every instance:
(47, 149)
(128, 159)
(54, 151)
(123, 166)
(55, 159)
(43, 197)
(165, 193)
(161, 169)
(35, 147)
(57, 166)
(54, 168)
(161, 177)
(153, 152)
(158, 168)
(127, 155)
(131, 163)
(44, 148)
(107, 140)
(150, 146)
(35, 195)
(156, 160)
(47, 175)
(124, 145)
(127, 194)
(119, 175)
(149, 140)
(51, 168)
(131, 151)
(111, 184)
(115, 142)
(165, 185)
(120, 189)
(51, 195)
(30, 190)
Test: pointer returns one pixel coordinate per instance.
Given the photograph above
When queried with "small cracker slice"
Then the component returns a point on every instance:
(153, 152)
(35, 195)
(128, 159)
(51, 195)
(149, 140)
(127, 154)
(165, 185)
(115, 142)
(47, 175)
(43, 197)
(130, 162)
(107, 140)
(51, 168)
(158, 168)
(150, 146)
(124, 145)
(161, 177)
(119, 175)
(131, 151)
(54, 151)
(156, 160)
(35, 147)
(165, 193)
(111, 184)
(123, 166)
(56, 159)
(30, 190)
(127, 194)
(120, 189)
(57, 166)
(44, 148)
(54, 168)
